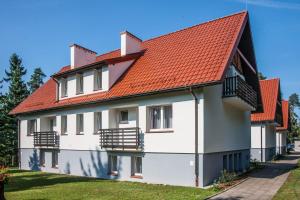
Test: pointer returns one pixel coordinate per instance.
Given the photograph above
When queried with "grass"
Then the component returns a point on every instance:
(46, 186)
(291, 188)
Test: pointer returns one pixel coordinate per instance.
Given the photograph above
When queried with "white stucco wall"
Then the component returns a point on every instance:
(268, 135)
(225, 127)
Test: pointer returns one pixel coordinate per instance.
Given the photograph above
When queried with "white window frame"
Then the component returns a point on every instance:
(64, 87)
(162, 119)
(113, 163)
(29, 126)
(79, 125)
(97, 126)
(64, 124)
(98, 79)
(79, 83)
(134, 172)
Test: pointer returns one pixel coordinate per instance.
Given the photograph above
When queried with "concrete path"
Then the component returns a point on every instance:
(262, 184)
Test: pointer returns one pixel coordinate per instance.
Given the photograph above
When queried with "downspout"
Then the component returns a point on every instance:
(196, 139)
(261, 144)
(19, 144)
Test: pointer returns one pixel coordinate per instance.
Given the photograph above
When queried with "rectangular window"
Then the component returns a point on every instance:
(42, 158)
(136, 166)
(31, 126)
(64, 87)
(64, 124)
(113, 164)
(235, 161)
(230, 163)
(79, 83)
(240, 162)
(225, 162)
(54, 159)
(97, 121)
(79, 123)
(98, 79)
(124, 116)
(160, 117)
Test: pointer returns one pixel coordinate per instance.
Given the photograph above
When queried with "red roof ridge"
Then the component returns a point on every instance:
(108, 52)
(270, 79)
(190, 27)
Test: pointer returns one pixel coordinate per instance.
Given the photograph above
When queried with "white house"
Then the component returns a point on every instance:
(264, 124)
(174, 109)
(282, 131)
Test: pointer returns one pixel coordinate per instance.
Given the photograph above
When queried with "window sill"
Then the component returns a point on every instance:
(30, 134)
(95, 90)
(160, 131)
(78, 93)
(123, 122)
(64, 134)
(137, 176)
(79, 133)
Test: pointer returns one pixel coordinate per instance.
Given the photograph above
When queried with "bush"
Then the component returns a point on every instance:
(227, 177)
(3, 174)
(255, 164)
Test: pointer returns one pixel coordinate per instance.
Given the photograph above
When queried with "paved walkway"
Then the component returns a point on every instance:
(262, 184)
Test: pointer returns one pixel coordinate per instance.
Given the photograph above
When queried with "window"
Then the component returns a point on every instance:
(54, 159)
(97, 121)
(79, 83)
(230, 163)
(98, 79)
(64, 124)
(136, 166)
(31, 126)
(113, 164)
(225, 162)
(124, 116)
(42, 158)
(160, 117)
(240, 162)
(79, 123)
(64, 87)
(235, 162)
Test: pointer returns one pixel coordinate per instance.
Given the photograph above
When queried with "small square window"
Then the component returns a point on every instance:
(136, 166)
(124, 116)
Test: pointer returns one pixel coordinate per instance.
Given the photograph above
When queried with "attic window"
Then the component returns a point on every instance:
(64, 87)
(79, 83)
(97, 79)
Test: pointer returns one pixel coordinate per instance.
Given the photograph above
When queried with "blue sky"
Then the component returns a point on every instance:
(41, 31)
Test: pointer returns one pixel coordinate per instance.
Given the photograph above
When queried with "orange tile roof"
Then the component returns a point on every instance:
(193, 56)
(285, 116)
(269, 93)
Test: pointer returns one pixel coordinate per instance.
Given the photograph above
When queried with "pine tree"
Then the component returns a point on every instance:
(294, 103)
(17, 92)
(36, 79)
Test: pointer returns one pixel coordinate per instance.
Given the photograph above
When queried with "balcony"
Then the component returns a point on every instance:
(46, 139)
(237, 92)
(123, 139)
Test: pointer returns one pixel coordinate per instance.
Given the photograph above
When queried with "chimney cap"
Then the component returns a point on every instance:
(133, 36)
(76, 45)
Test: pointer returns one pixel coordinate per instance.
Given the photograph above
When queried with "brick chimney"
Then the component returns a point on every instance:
(81, 56)
(130, 43)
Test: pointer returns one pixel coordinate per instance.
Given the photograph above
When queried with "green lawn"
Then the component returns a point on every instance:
(291, 188)
(46, 186)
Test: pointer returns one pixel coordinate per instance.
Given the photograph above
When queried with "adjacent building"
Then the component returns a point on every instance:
(174, 109)
(282, 131)
(264, 124)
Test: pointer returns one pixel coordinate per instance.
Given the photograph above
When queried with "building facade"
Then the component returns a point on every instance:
(170, 110)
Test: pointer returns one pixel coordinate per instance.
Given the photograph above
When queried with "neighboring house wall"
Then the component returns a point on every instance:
(268, 144)
(281, 142)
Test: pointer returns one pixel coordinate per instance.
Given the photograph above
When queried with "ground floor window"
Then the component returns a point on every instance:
(113, 164)
(54, 159)
(136, 166)
(42, 158)
(225, 162)
(240, 162)
(230, 163)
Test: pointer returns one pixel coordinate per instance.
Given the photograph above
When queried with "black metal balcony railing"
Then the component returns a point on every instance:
(46, 139)
(120, 138)
(236, 86)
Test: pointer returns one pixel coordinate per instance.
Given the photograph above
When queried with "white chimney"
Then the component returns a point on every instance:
(81, 56)
(130, 43)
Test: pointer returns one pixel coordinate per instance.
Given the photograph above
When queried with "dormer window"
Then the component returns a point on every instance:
(97, 79)
(64, 87)
(79, 83)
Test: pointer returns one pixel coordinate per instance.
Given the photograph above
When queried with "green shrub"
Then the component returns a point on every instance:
(227, 177)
